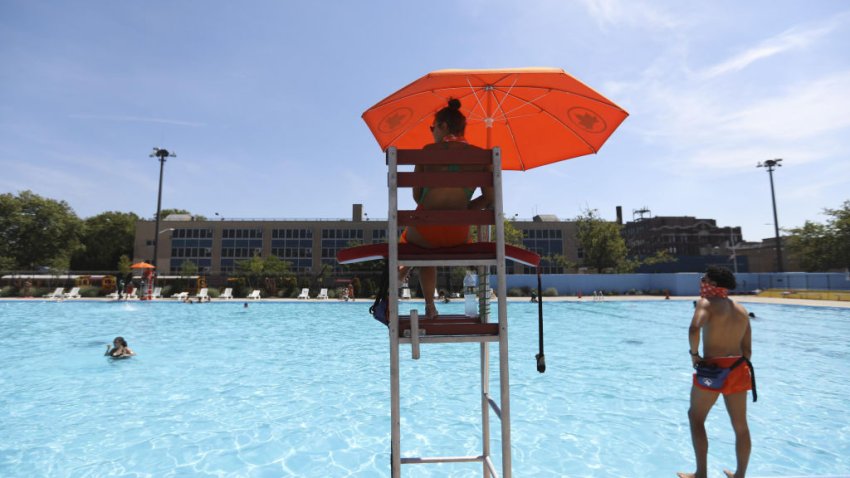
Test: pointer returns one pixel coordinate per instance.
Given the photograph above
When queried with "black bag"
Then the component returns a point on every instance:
(381, 307)
(713, 377)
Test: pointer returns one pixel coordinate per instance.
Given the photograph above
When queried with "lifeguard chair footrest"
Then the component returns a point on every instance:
(448, 325)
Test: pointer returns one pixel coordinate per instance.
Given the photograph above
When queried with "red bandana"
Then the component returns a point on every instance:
(708, 291)
(452, 137)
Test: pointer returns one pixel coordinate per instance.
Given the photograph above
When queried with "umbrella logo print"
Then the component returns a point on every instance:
(587, 120)
(395, 119)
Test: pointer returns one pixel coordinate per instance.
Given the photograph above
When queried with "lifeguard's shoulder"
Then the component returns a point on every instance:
(450, 145)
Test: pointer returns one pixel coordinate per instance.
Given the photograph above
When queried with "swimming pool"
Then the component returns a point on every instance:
(302, 389)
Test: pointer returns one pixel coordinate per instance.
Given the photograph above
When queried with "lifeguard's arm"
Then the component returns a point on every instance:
(700, 318)
(485, 200)
(746, 342)
(417, 192)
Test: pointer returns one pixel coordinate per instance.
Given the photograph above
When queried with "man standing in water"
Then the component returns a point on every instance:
(725, 328)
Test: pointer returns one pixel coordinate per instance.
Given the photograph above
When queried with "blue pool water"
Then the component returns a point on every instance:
(302, 389)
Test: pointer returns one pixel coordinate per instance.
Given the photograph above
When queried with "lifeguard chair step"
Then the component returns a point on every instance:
(448, 325)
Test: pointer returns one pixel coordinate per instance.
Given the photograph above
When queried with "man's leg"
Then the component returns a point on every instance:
(736, 406)
(701, 403)
(428, 282)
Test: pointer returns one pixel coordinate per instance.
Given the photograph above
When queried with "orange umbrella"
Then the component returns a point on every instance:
(142, 265)
(537, 116)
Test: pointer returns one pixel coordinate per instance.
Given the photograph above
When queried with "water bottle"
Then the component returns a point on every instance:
(470, 298)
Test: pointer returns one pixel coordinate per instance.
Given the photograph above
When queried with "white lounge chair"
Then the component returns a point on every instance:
(203, 294)
(305, 294)
(74, 294)
(255, 294)
(180, 296)
(323, 294)
(56, 294)
(227, 294)
(405, 293)
(157, 293)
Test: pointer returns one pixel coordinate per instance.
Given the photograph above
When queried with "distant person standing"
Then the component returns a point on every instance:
(723, 368)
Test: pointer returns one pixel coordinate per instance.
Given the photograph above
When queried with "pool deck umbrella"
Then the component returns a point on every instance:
(537, 116)
(142, 265)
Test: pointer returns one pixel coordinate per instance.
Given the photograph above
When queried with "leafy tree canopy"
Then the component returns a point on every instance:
(106, 237)
(37, 231)
(822, 247)
(166, 212)
(603, 246)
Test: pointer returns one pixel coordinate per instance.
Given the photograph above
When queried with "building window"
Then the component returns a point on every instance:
(239, 245)
(192, 245)
(547, 243)
(335, 239)
(294, 246)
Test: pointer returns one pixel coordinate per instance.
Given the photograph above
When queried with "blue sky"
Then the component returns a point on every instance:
(261, 101)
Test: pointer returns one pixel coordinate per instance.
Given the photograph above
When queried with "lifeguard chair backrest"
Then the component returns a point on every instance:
(446, 179)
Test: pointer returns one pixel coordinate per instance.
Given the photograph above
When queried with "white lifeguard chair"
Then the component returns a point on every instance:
(415, 330)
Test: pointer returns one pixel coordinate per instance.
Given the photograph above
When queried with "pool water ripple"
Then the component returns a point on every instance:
(303, 390)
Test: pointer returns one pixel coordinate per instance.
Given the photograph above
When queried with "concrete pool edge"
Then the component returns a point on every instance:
(744, 299)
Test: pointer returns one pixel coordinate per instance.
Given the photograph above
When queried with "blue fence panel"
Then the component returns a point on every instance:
(683, 283)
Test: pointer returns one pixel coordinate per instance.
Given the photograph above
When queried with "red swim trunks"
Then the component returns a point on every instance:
(739, 379)
(440, 236)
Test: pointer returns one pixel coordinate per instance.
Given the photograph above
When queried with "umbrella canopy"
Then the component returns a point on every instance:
(142, 265)
(537, 116)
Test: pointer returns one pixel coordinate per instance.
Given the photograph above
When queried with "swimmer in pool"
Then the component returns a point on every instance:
(119, 349)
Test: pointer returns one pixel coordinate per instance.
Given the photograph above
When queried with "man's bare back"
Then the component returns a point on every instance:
(724, 326)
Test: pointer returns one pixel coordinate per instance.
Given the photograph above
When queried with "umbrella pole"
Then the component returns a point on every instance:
(488, 124)
(541, 359)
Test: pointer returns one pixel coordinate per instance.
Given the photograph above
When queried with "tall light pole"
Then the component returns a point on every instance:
(772, 164)
(160, 154)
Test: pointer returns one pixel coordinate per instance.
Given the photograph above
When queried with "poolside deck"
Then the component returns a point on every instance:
(744, 299)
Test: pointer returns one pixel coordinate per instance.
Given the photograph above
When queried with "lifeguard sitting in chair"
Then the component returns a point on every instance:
(448, 129)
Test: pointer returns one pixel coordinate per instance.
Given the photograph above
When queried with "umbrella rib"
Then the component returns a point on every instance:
(606, 101)
(477, 100)
(568, 127)
(513, 137)
(525, 102)
(507, 93)
(405, 130)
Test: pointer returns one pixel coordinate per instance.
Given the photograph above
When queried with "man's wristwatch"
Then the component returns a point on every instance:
(695, 354)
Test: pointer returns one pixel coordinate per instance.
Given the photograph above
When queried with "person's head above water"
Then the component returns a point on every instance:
(448, 121)
(721, 277)
(119, 342)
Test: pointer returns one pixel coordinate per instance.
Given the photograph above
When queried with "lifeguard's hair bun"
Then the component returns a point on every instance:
(454, 103)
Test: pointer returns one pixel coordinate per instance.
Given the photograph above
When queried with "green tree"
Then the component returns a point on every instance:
(839, 226)
(124, 264)
(255, 269)
(603, 246)
(164, 213)
(187, 270)
(561, 261)
(106, 237)
(822, 247)
(37, 231)
(7, 263)
(513, 236)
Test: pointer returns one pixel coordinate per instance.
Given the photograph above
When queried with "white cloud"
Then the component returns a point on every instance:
(629, 12)
(792, 39)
